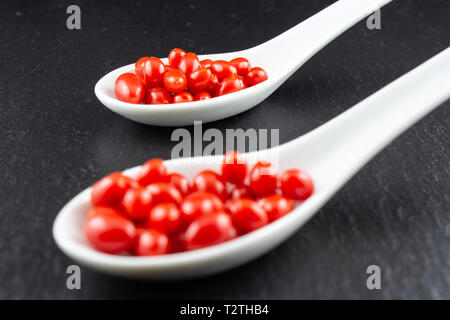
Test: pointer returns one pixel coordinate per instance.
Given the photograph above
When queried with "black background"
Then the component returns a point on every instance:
(56, 139)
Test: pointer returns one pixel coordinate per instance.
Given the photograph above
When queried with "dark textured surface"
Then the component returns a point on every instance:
(56, 139)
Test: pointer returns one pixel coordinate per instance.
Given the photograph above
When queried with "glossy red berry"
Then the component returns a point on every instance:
(198, 204)
(175, 81)
(165, 193)
(189, 63)
(183, 97)
(175, 57)
(213, 84)
(210, 181)
(206, 63)
(247, 215)
(150, 242)
(109, 231)
(165, 217)
(229, 85)
(110, 189)
(129, 88)
(234, 167)
(276, 206)
(202, 95)
(263, 179)
(223, 69)
(139, 67)
(180, 182)
(158, 96)
(256, 75)
(199, 79)
(209, 230)
(296, 184)
(152, 72)
(242, 66)
(239, 192)
(152, 171)
(137, 203)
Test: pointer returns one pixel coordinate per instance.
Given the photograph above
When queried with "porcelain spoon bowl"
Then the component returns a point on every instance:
(331, 154)
(280, 57)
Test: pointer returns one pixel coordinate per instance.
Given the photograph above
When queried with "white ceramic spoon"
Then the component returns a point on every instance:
(331, 154)
(280, 57)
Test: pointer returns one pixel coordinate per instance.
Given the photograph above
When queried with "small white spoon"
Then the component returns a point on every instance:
(331, 154)
(280, 57)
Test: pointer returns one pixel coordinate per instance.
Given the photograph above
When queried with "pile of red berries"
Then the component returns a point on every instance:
(160, 212)
(185, 79)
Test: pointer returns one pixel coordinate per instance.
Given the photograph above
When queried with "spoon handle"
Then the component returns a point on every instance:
(339, 148)
(295, 46)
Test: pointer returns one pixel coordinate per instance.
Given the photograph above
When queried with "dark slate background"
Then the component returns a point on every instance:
(56, 139)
